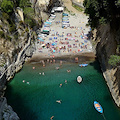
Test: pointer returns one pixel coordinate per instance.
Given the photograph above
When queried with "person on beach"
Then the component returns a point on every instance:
(76, 59)
(60, 62)
(50, 61)
(43, 65)
(47, 60)
(54, 60)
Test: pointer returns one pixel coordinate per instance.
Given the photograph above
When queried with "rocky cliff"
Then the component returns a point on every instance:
(44, 7)
(17, 45)
(106, 40)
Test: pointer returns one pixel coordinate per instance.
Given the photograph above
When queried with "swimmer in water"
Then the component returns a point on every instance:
(52, 117)
(28, 83)
(60, 85)
(68, 71)
(33, 68)
(57, 68)
(58, 101)
(66, 81)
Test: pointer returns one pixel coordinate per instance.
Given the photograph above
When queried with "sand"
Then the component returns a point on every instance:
(78, 44)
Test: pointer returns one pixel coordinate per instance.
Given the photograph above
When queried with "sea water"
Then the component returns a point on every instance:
(33, 93)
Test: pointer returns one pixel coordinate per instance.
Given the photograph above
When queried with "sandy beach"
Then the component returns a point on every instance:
(65, 42)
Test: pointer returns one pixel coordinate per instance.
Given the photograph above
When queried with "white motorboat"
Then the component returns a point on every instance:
(79, 79)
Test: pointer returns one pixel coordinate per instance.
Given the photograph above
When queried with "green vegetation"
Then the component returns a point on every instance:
(102, 12)
(26, 30)
(8, 37)
(29, 16)
(77, 8)
(5, 16)
(12, 28)
(2, 34)
(114, 60)
(24, 3)
(29, 11)
(7, 6)
(16, 36)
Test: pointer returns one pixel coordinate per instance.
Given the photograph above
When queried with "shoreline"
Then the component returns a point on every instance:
(82, 57)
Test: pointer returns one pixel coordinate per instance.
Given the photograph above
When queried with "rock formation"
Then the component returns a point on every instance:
(16, 47)
(106, 39)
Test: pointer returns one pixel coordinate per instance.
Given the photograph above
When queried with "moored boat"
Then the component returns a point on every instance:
(83, 65)
(79, 79)
(98, 107)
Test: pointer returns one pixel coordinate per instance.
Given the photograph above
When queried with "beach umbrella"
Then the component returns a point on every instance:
(41, 39)
(54, 43)
(65, 18)
(85, 41)
(65, 14)
(50, 38)
(54, 51)
(47, 23)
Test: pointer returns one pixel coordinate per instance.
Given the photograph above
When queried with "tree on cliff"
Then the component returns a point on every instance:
(24, 3)
(7, 6)
(101, 12)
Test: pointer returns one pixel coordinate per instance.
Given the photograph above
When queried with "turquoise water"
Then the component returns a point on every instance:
(37, 100)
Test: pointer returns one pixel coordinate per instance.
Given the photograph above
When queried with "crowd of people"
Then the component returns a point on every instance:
(62, 41)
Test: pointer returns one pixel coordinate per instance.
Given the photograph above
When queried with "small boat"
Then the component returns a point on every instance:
(98, 107)
(79, 79)
(83, 65)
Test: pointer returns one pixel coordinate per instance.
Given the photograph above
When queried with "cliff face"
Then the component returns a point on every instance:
(16, 47)
(106, 40)
(44, 7)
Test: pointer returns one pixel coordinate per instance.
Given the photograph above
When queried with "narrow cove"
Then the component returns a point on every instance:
(35, 99)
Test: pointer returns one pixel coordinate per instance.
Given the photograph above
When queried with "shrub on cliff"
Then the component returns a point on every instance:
(29, 16)
(12, 28)
(2, 34)
(114, 60)
(24, 3)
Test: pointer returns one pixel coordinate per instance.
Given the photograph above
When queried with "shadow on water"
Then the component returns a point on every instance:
(19, 106)
(96, 65)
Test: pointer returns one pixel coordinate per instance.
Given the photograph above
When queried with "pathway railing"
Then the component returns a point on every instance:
(19, 55)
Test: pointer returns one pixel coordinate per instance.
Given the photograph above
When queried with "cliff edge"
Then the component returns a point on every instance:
(105, 39)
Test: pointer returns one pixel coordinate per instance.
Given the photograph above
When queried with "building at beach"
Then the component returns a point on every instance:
(57, 9)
